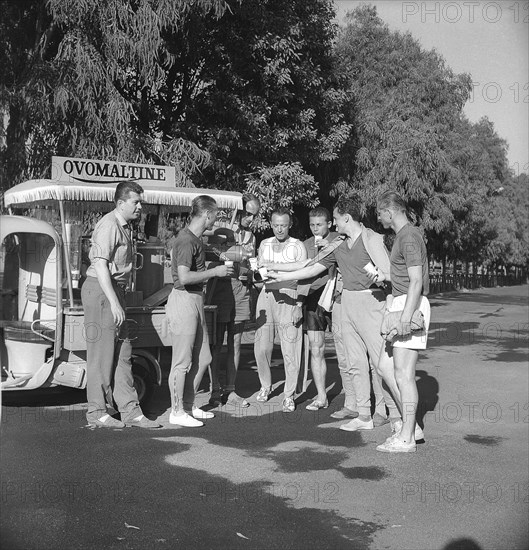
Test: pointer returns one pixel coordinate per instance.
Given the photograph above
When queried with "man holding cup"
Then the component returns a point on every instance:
(277, 309)
(362, 310)
(185, 314)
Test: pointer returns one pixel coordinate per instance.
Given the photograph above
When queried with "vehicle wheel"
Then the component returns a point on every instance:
(143, 381)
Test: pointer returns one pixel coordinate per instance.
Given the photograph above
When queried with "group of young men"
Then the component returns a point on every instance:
(377, 336)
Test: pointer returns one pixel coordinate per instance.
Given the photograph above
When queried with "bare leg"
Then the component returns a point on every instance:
(386, 369)
(405, 363)
(317, 362)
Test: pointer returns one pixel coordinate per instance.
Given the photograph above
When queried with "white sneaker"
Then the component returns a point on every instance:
(397, 427)
(357, 424)
(184, 420)
(397, 446)
(200, 414)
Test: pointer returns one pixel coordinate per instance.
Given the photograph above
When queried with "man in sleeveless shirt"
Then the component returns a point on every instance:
(277, 310)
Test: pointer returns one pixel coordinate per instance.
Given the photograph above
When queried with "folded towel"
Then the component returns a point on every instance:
(391, 320)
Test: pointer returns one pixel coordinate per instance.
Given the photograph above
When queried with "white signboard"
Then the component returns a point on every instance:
(74, 170)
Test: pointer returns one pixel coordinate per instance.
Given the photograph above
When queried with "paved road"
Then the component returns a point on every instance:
(263, 479)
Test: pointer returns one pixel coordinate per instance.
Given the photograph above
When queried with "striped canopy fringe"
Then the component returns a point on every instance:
(43, 191)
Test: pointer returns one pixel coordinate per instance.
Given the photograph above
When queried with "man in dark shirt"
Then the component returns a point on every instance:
(363, 304)
(185, 313)
(410, 283)
(315, 319)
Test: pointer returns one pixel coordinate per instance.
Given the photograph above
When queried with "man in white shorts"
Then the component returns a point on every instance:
(410, 283)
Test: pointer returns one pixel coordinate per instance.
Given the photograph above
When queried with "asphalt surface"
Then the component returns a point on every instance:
(264, 479)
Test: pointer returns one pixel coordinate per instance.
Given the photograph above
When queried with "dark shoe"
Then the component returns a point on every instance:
(379, 420)
(142, 422)
(216, 398)
(109, 422)
(344, 412)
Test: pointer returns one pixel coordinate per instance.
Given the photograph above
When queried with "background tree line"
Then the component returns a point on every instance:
(270, 96)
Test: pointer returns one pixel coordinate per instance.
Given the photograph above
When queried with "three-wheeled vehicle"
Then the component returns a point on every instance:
(42, 332)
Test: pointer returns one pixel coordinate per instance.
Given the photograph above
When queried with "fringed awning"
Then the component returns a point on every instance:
(45, 191)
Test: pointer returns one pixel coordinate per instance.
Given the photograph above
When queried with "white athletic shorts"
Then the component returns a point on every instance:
(417, 340)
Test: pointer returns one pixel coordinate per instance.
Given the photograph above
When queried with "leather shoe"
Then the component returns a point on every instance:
(344, 412)
(379, 420)
(357, 424)
(108, 422)
(142, 422)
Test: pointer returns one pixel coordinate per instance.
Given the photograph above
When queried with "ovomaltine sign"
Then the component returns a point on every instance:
(109, 172)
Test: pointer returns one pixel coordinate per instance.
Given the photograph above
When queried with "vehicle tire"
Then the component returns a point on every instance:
(143, 380)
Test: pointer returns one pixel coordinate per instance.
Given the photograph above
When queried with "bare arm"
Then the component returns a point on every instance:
(414, 294)
(188, 277)
(304, 273)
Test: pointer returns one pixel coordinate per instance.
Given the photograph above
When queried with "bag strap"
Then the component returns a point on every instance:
(326, 250)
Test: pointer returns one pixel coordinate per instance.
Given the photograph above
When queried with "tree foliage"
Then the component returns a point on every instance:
(269, 93)
(407, 105)
(85, 81)
(266, 95)
(286, 185)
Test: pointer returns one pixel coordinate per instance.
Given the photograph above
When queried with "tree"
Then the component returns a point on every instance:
(286, 185)
(511, 244)
(408, 106)
(269, 94)
(83, 79)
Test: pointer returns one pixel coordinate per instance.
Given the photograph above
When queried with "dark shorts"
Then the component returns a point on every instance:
(314, 316)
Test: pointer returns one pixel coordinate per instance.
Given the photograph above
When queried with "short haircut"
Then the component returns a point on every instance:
(250, 197)
(281, 211)
(392, 200)
(125, 188)
(201, 204)
(320, 212)
(349, 204)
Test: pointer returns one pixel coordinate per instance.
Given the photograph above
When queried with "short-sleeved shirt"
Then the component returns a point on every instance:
(351, 262)
(112, 241)
(320, 281)
(188, 251)
(291, 250)
(408, 250)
